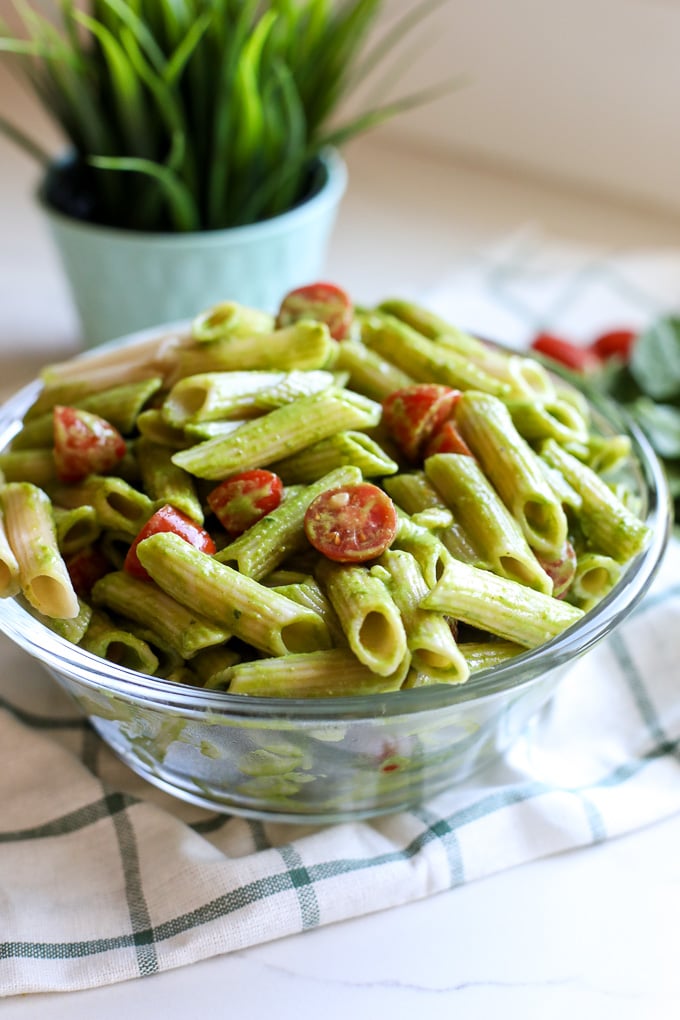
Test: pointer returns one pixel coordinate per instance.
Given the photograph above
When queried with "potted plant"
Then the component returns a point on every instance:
(202, 137)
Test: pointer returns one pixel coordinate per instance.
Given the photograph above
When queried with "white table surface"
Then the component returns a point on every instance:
(591, 933)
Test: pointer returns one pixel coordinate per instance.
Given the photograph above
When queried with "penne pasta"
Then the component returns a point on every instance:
(334, 673)
(268, 621)
(32, 536)
(605, 520)
(180, 628)
(284, 430)
(491, 527)
(368, 615)
(435, 656)
(511, 466)
(499, 606)
(220, 396)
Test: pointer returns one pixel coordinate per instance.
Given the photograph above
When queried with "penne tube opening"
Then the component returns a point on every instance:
(546, 530)
(530, 574)
(50, 595)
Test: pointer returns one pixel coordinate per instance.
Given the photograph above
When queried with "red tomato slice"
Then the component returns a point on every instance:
(447, 439)
(242, 500)
(324, 302)
(85, 567)
(561, 570)
(168, 518)
(352, 523)
(413, 414)
(571, 355)
(84, 444)
(616, 343)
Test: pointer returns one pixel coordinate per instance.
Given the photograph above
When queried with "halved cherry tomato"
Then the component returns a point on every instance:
(581, 359)
(85, 567)
(447, 439)
(168, 518)
(560, 570)
(352, 523)
(242, 500)
(414, 413)
(84, 444)
(324, 302)
(616, 343)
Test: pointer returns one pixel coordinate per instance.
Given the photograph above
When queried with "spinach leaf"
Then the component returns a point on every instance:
(660, 423)
(655, 359)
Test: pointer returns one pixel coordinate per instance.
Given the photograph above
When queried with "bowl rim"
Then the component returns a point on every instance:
(59, 654)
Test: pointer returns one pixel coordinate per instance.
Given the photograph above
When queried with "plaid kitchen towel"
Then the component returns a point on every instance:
(103, 878)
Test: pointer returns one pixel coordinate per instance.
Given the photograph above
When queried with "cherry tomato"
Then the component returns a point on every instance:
(352, 523)
(324, 302)
(560, 570)
(413, 414)
(85, 567)
(447, 439)
(168, 518)
(581, 359)
(84, 444)
(616, 343)
(242, 500)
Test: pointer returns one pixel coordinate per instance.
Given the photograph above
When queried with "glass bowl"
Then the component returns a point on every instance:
(331, 759)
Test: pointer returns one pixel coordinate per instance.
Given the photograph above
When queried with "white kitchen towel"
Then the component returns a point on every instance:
(103, 878)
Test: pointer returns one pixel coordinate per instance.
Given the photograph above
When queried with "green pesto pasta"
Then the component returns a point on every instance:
(270, 610)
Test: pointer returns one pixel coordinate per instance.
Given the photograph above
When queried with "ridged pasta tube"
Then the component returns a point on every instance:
(335, 451)
(264, 619)
(423, 359)
(214, 396)
(415, 494)
(369, 373)
(492, 528)
(594, 577)
(606, 522)
(183, 629)
(486, 654)
(164, 482)
(32, 536)
(502, 607)
(118, 645)
(304, 345)
(77, 527)
(9, 565)
(511, 466)
(35, 466)
(118, 505)
(324, 674)
(283, 431)
(435, 656)
(368, 615)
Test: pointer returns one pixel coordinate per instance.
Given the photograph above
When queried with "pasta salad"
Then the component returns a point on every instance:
(328, 501)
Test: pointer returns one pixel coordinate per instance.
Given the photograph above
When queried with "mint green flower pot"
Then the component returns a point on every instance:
(125, 280)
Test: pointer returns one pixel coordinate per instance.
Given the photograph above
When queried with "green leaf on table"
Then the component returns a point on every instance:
(660, 423)
(655, 359)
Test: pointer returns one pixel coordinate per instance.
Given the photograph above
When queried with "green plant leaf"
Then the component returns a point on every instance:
(126, 90)
(660, 423)
(371, 118)
(181, 202)
(655, 359)
(140, 31)
(178, 61)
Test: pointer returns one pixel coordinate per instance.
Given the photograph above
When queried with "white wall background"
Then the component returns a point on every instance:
(585, 91)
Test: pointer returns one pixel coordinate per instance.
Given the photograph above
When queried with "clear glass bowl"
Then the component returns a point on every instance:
(331, 759)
